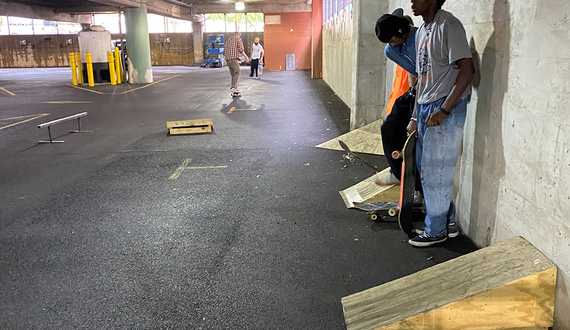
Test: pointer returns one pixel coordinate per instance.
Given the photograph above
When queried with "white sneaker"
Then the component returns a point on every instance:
(387, 180)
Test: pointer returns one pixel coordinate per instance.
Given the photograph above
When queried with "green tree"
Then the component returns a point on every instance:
(250, 18)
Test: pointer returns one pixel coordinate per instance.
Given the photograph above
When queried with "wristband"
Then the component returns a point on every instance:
(414, 119)
(447, 113)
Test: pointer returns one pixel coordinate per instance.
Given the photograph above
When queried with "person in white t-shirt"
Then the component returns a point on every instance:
(256, 57)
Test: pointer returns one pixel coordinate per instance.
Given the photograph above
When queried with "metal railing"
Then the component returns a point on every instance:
(61, 120)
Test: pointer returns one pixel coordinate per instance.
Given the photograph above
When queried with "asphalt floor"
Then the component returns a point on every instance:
(127, 227)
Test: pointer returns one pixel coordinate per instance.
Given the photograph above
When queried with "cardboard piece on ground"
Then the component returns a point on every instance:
(510, 285)
(366, 139)
(369, 192)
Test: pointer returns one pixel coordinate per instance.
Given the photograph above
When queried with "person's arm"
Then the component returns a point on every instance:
(466, 73)
(242, 50)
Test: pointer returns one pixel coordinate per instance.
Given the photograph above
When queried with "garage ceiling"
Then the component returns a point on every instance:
(158, 6)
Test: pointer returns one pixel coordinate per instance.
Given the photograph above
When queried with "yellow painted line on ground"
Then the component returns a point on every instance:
(249, 88)
(152, 83)
(204, 167)
(85, 89)
(18, 117)
(180, 169)
(232, 109)
(23, 121)
(68, 102)
(7, 91)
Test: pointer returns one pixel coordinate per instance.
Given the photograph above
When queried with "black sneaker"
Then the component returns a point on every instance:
(424, 239)
(452, 230)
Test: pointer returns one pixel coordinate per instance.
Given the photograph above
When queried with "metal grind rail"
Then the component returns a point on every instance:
(61, 120)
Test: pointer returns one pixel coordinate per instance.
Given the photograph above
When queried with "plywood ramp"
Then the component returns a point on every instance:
(510, 285)
(366, 139)
(369, 192)
(195, 126)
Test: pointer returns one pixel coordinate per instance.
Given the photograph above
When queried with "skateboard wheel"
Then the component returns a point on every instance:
(393, 212)
(351, 159)
(374, 217)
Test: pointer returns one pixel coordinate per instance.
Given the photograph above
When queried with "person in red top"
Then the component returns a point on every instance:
(233, 49)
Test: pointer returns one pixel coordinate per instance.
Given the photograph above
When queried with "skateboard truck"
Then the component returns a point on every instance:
(350, 155)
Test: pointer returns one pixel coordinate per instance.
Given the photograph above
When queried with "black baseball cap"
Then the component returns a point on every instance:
(387, 25)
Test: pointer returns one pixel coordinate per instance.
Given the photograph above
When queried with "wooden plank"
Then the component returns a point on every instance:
(190, 130)
(369, 192)
(190, 123)
(366, 139)
(512, 278)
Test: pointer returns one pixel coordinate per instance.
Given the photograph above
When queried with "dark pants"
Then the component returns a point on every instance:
(254, 65)
(394, 130)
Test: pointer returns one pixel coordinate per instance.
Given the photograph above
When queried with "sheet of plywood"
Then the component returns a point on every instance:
(366, 139)
(510, 285)
(369, 192)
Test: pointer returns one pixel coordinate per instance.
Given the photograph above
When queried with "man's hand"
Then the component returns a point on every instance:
(435, 118)
(412, 126)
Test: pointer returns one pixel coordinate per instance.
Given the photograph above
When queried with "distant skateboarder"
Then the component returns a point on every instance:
(232, 51)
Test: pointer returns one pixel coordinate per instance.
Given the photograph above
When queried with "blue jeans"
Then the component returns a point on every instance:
(437, 150)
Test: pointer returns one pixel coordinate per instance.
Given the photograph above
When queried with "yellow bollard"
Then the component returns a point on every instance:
(79, 68)
(73, 68)
(89, 69)
(118, 66)
(111, 68)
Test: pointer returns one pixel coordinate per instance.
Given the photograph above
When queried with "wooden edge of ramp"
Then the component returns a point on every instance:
(510, 285)
(195, 126)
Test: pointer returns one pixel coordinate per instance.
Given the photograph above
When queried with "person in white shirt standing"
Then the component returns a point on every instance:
(256, 57)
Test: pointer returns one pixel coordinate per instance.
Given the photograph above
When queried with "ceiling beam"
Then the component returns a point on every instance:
(253, 7)
(93, 9)
(28, 11)
(159, 7)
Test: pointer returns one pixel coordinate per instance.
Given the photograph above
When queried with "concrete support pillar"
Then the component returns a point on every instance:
(317, 43)
(198, 36)
(138, 46)
(370, 64)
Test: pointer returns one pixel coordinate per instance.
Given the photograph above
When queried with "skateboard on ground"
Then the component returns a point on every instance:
(382, 208)
(351, 156)
(407, 185)
(236, 94)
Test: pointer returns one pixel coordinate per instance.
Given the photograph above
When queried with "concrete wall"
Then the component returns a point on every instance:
(514, 174)
(339, 57)
(370, 64)
(353, 64)
(39, 51)
(180, 50)
(292, 36)
(53, 50)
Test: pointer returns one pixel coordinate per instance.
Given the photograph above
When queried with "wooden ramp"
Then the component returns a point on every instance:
(369, 192)
(510, 285)
(195, 126)
(366, 139)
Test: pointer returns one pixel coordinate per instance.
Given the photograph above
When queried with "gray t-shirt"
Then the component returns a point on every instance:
(439, 45)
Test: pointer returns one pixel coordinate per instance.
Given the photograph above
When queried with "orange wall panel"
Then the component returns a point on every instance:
(292, 36)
